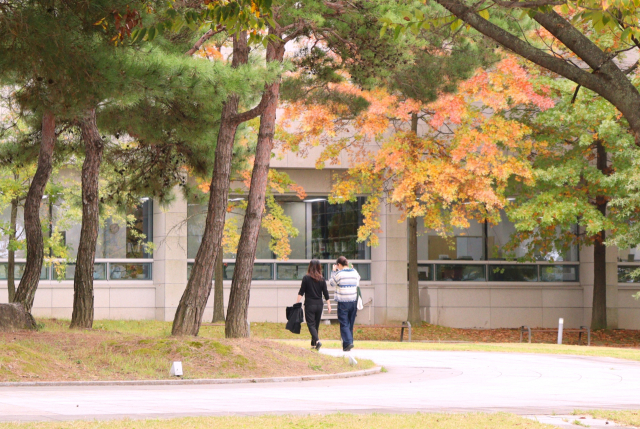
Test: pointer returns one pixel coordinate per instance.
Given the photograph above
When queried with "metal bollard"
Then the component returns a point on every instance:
(560, 327)
(248, 328)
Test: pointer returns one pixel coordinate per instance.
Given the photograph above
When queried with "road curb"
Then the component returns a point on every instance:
(360, 373)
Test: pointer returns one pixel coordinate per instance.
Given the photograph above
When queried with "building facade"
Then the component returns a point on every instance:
(465, 282)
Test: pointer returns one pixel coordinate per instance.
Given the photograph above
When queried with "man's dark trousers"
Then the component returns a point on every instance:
(347, 318)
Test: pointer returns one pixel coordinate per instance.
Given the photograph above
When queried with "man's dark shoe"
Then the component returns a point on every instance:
(318, 345)
(348, 348)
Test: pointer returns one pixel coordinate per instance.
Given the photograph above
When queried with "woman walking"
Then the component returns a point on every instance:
(314, 286)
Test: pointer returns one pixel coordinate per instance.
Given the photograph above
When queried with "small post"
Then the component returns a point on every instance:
(560, 327)
(248, 329)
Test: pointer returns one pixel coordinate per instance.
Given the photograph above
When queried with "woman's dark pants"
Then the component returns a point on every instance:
(313, 314)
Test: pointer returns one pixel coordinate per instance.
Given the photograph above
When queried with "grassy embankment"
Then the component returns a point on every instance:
(118, 350)
(342, 421)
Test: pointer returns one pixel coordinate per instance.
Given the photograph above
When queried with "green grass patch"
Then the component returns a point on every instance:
(119, 350)
(337, 421)
(620, 353)
(626, 417)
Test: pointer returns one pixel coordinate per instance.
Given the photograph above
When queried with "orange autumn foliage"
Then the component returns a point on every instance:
(457, 166)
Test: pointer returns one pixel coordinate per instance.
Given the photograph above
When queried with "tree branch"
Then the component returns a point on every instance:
(528, 4)
(206, 36)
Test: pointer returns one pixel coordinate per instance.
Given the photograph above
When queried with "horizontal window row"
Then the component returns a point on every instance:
(497, 273)
(285, 271)
(625, 274)
(115, 271)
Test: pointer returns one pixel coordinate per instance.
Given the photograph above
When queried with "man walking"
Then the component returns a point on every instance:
(345, 280)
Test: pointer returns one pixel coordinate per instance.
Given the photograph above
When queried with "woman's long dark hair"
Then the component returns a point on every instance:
(315, 270)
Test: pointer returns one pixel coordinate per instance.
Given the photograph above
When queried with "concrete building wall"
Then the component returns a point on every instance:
(475, 304)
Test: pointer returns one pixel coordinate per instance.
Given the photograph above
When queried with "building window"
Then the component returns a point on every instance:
(483, 241)
(559, 273)
(624, 274)
(513, 273)
(325, 231)
(463, 244)
(460, 273)
(129, 271)
(334, 230)
(19, 271)
(99, 272)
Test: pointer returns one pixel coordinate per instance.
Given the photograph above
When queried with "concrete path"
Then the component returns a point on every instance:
(415, 381)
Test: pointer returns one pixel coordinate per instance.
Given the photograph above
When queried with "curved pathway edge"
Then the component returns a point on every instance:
(361, 373)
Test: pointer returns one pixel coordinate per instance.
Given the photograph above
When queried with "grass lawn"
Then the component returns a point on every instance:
(144, 350)
(627, 417)
(341, 421)
(620, 353)
(426, 332)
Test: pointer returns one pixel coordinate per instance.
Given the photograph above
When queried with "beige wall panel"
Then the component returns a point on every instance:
(172, 294)
(312, 181)
(283, 296)
(573, 317)
(552, 298)
(464, 297)
(397, 295)
(4, 295)
(629, 318)
(132, 313)
(587, 295)
(101, 298)
(461, 317)
(268, 297)
(396, 314)
(175, 271)
(43, 312)
(43, 297)
(626, 299)
(101, 313)
(516, 298)
(62, 298)
(264, 314)
(515, 317)
(133, 298)
(61, 312)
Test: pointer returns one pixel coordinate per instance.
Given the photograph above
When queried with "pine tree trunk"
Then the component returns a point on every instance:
(414, 291)
(11, 263)
(194, 299)
(83, 279)
(218, 290)
(237, 310)
(599, 308)
(35, 246)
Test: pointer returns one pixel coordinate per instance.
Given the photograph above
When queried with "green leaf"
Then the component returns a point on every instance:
(151, 34)
(397, 31)
(383, 30)
(140, 35)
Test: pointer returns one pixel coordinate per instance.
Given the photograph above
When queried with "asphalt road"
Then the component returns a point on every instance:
(415, 381)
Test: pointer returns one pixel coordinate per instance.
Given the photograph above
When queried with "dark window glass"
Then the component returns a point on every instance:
(125, 271)
(559, 273)
(460, 273)
(513, 273)
(291, 271)
(19, 271)
(624, 274)
(143, 225)
(260, 271)
(334, 230)
(99, 272)
(364, 270)
(425, 272)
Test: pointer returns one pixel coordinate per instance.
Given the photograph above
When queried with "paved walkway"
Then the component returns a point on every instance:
(415, 381)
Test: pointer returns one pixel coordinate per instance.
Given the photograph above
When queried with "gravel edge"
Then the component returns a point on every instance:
(180, 382)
